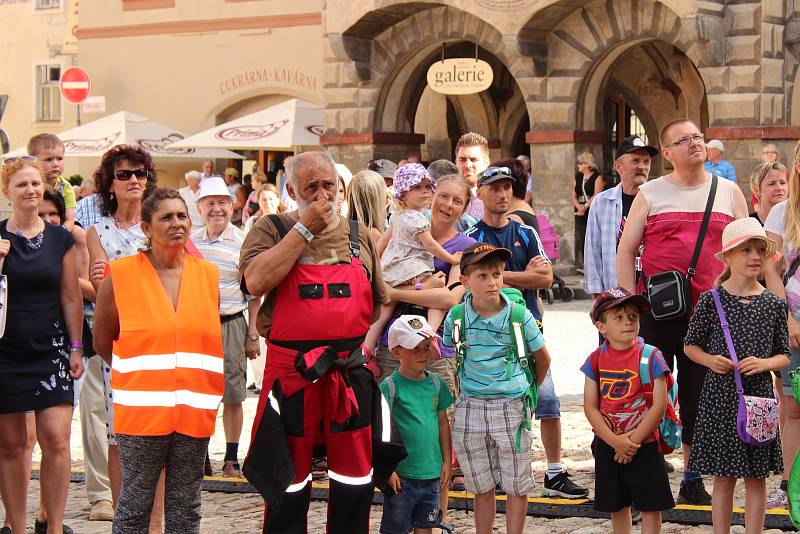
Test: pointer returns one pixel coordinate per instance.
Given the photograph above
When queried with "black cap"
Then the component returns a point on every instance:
(384, 167)
(634, 143)
(492, 174)
(478, 251)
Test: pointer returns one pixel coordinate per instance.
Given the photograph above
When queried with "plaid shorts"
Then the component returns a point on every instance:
(484, 438)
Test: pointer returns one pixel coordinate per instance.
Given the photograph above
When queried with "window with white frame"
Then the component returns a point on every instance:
(48, 4)
(48, 95)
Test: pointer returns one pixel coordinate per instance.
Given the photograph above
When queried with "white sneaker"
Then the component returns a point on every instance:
(777, 499)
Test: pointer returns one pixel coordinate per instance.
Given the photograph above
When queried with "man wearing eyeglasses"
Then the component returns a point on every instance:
(528, 270)
(665, 219)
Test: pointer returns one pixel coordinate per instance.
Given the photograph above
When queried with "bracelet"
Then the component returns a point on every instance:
(76, 349)
(76, 344)
(305, 232)
(418, 286)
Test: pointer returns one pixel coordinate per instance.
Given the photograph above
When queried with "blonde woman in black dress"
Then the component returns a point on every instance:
(41, 350)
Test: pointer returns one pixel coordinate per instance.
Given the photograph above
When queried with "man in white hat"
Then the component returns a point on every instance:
(717, 165)
(189, 194)
(220, 243)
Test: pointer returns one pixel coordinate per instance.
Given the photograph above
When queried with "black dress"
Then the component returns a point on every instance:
(758, 328)
(34, 352)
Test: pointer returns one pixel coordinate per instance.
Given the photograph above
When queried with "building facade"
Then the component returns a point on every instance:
(569, 75)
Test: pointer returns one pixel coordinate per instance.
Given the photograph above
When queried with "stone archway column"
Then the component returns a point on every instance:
(553, 156)
(356, 150)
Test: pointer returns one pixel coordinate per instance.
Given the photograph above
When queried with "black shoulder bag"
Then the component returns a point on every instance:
(670, 292)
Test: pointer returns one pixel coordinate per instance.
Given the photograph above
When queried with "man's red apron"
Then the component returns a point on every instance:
(317, 382)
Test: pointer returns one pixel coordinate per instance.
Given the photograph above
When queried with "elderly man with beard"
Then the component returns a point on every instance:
(321, 277)
(609, 212)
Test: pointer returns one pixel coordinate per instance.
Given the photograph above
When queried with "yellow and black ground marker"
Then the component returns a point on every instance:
(537, 507)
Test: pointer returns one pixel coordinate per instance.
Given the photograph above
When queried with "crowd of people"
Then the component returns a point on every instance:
(420, 364)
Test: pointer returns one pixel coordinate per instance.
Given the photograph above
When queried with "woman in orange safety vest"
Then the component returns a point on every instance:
(157, 323)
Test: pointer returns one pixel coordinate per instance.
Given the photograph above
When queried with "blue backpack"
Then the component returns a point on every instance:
(670, 428)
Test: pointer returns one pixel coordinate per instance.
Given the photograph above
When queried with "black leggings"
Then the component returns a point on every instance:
(669, 336)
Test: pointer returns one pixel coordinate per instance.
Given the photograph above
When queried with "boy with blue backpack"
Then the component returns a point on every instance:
(501, 360)
(629, 398)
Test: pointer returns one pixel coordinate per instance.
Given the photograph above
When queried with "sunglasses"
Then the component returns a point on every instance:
(17, 159)
(126, 174)
(496, 171)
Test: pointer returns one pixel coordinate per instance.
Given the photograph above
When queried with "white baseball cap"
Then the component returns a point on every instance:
(409, 330)
(213, 186)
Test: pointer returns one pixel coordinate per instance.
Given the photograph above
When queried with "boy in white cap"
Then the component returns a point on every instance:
(417, 401)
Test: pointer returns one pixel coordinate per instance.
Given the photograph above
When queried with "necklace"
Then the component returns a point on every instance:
(122, 226)
(34, 243)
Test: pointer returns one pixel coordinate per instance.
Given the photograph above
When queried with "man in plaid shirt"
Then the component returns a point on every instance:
(609, 211)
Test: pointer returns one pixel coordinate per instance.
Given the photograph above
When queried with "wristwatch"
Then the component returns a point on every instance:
(252, 337)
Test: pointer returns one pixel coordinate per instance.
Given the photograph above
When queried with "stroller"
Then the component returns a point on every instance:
(550, 242)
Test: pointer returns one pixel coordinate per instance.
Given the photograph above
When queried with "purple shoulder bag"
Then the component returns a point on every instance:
(757, 417)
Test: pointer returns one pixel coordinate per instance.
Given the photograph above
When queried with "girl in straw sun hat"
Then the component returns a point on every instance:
(757, 322)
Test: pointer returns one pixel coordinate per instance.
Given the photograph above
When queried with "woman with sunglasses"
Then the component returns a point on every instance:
(125, 176)
(41, 349)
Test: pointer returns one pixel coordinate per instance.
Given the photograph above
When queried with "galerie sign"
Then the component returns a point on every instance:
(460, 76)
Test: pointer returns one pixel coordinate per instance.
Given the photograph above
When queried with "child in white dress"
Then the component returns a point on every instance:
(407, 246)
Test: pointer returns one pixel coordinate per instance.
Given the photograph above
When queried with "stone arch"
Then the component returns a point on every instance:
(576, 69)
(228, 105)
(385, 50)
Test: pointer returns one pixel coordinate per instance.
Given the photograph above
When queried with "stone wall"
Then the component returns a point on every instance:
(732, 67)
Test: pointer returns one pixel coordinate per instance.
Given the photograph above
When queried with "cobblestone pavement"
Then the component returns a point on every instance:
(570, 338)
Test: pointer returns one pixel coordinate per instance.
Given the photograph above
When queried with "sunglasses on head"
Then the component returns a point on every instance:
(16, 159)
(496, 171)
(127, 174)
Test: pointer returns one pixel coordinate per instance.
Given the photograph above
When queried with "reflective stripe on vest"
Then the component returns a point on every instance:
(167, 367)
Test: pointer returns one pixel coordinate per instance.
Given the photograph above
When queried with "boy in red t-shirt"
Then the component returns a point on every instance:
(629, 469)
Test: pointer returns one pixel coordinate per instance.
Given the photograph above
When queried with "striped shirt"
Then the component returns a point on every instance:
(488, 341)
(602, 239)
(224, 253)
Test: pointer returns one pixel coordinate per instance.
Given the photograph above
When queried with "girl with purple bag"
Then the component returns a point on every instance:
(739, 332)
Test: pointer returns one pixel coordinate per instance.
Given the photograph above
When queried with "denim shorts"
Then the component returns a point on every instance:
(416, 506)
(548, 407)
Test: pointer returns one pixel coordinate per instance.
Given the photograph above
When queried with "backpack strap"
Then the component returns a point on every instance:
(459, 336)
(391, 387)
(645, 365)
(520, 352)
(276, 221)
(392, 390)
(437, 381)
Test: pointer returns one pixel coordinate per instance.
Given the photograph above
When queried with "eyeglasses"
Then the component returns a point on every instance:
(496, 171)
(689, 140)
(126, 174)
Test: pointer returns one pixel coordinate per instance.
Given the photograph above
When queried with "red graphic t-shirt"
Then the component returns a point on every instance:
(623, 398)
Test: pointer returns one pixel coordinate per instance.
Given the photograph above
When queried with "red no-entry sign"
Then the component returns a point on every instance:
(75, 85)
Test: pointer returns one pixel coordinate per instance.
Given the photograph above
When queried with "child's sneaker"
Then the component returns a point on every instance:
(694, 492)
(561, 486)
(777, 499)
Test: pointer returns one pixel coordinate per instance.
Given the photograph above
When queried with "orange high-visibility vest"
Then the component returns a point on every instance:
(166, 370)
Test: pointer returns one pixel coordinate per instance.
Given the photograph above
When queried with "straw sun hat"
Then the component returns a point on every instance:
(741, 230)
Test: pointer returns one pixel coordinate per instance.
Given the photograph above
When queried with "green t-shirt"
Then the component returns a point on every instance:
(63, 187)
(415, 413)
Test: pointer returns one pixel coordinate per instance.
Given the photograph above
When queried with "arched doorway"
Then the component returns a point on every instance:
(644, 88)
(442, 119)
